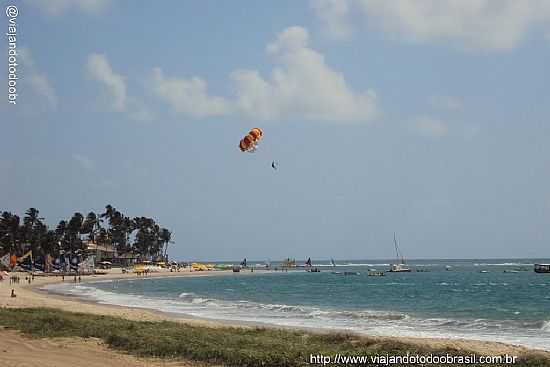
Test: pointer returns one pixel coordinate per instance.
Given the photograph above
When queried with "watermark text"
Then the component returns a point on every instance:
(12, 12)
(413, 359)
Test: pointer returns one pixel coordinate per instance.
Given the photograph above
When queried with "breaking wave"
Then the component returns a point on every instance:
(534, 333)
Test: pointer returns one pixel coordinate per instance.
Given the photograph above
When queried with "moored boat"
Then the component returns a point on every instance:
(398, 267)
(542, 268)
(376, 273)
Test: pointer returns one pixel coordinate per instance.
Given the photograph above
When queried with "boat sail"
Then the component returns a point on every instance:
(398, 267)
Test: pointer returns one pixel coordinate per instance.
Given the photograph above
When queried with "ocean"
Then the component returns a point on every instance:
(463, 302)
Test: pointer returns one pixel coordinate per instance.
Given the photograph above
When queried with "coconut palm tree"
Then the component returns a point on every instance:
(33, 228)
(10, 234)
(91, 226)
(165, 238)
(74, 228)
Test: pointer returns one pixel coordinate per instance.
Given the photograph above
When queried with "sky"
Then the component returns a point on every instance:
(426, 118)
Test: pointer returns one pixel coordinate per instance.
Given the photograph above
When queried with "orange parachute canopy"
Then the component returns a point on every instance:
(250, 142)
(256, 133)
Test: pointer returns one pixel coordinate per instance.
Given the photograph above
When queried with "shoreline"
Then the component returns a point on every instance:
(30, 295)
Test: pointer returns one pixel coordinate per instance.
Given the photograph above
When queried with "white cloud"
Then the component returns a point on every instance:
(84, 161)
(445, 102)
(301, 86)
(100, 70)
(59, 7)
(429, 126)
(188, 96)
(464, 24)
(333, 15)
(37, 80)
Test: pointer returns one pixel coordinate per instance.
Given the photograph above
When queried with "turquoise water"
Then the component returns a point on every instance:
(495, 305)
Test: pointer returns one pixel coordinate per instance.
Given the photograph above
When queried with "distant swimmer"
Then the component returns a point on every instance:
(274, 165)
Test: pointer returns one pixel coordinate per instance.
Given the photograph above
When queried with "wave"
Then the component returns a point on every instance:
(535, 333)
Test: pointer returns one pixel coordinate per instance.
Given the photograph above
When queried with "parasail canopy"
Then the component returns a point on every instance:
(250, 142)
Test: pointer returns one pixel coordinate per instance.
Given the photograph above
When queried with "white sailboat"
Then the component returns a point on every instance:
(398, 267)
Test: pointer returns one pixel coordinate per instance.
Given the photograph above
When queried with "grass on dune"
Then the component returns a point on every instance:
(228, 346)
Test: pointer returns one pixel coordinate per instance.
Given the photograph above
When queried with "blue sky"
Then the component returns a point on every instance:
(427, 118)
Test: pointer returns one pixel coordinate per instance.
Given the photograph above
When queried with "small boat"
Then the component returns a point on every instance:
(398, 267)
(542, 268)
(376, 273)
(236, 269)
(484, 271)
(510, 271)
(288, 263)
(448, 267)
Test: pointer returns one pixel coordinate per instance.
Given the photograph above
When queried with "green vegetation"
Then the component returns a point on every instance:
(140, 235)
(227, 346)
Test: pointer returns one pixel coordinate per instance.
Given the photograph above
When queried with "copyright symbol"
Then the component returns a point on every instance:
(12, 11)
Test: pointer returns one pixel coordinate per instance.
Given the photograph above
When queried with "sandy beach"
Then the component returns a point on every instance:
(29, 295)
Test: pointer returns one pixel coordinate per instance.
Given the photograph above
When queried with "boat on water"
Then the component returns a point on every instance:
(542, 268)
(376, 273)
(288, 263)
(399, 266)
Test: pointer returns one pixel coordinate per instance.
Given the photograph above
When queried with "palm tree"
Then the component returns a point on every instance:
(127, 227)
(91, 226)
(150, 240)
(33, 228)
(165, 237)
(31, 217)
(11, 232)
(74, 230)
(147, 237)
(62, 237)
(50, 243)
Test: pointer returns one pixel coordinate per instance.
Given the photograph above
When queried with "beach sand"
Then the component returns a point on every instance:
(28, 295)
(19, 351)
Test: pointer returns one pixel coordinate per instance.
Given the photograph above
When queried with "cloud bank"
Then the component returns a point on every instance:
(489, 25)
(300, 86)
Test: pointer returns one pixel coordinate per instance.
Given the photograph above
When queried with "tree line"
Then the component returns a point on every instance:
(141, 235)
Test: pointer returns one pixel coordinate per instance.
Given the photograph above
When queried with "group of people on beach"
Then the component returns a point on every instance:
(15, 279)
